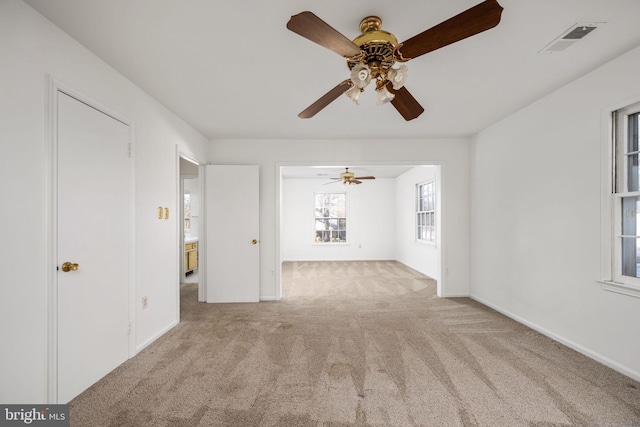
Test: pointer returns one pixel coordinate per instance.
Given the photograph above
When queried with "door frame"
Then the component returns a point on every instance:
(53, 87)
(202, 247)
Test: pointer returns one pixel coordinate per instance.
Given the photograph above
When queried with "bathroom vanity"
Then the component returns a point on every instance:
(190, 255)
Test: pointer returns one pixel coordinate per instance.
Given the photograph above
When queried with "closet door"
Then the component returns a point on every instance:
(92, 245)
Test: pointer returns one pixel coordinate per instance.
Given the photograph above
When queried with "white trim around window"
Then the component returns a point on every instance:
(330, 218)
(621, 201)
(425, 219)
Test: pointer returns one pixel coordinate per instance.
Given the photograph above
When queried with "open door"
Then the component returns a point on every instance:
(232, 233)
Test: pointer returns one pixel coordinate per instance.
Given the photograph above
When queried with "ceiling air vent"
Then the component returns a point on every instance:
(571, 36)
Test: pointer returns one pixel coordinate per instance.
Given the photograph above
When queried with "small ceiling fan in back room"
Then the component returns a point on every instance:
(349, 178)
(372, 55)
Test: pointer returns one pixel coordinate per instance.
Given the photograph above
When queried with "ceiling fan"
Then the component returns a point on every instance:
(349, 178)
(372, 54)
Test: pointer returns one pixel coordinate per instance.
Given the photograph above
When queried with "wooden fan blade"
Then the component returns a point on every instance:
(479, 18)
(315, 29)
(405, 103)
(325, 100)
(365, 177)
(332, 182)
(355, 181)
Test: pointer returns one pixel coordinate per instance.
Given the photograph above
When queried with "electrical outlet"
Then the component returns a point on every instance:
(145, 302)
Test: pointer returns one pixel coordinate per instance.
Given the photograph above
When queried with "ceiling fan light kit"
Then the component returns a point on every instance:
(372, 54)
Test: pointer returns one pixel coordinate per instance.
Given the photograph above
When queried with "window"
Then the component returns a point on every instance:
(626, 197)
(426, 212)
(330, 217)
(187, 213)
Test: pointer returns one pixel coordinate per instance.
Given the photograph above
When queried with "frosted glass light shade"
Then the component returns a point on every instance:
(384, 95)
(398, 76)
(361, 75)
(354, 94)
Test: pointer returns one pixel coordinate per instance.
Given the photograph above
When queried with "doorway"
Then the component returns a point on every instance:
(380, 218)
(190, 226)
(228, 216)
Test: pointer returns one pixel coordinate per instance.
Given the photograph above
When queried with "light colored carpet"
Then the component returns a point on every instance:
(356, 344)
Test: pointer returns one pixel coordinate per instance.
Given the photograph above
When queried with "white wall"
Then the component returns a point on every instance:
(536, 224)
(451, 154)
(370, 221)
(422, 257)
(30, 48)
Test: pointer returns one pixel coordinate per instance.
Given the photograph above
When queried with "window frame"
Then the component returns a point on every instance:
(426, 213)
(617, 168)
(620, 188)
(346, 213)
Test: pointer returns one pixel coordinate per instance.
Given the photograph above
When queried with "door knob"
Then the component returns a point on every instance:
(67, 266)
(254, 242)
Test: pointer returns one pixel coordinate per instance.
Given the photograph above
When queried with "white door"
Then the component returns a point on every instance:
(232, 215)
(93, 232)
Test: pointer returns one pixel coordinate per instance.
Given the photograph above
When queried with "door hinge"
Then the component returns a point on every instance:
(130, 328)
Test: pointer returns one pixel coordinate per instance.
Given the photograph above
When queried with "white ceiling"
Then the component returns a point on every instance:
(233, 71)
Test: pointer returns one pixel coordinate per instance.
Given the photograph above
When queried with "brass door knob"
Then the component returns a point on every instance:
(67, 266)
(254, 242)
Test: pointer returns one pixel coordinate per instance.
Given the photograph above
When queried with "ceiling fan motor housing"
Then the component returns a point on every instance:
(378, 46)
(347, 175)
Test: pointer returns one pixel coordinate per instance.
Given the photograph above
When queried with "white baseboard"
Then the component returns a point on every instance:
(163, 331)
(268, 298)
(456, 296)
(575, 346)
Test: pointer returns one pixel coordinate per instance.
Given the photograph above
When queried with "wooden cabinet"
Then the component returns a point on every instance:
(190, 256)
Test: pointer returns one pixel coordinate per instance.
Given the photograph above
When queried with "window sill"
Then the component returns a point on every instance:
(620, 288)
